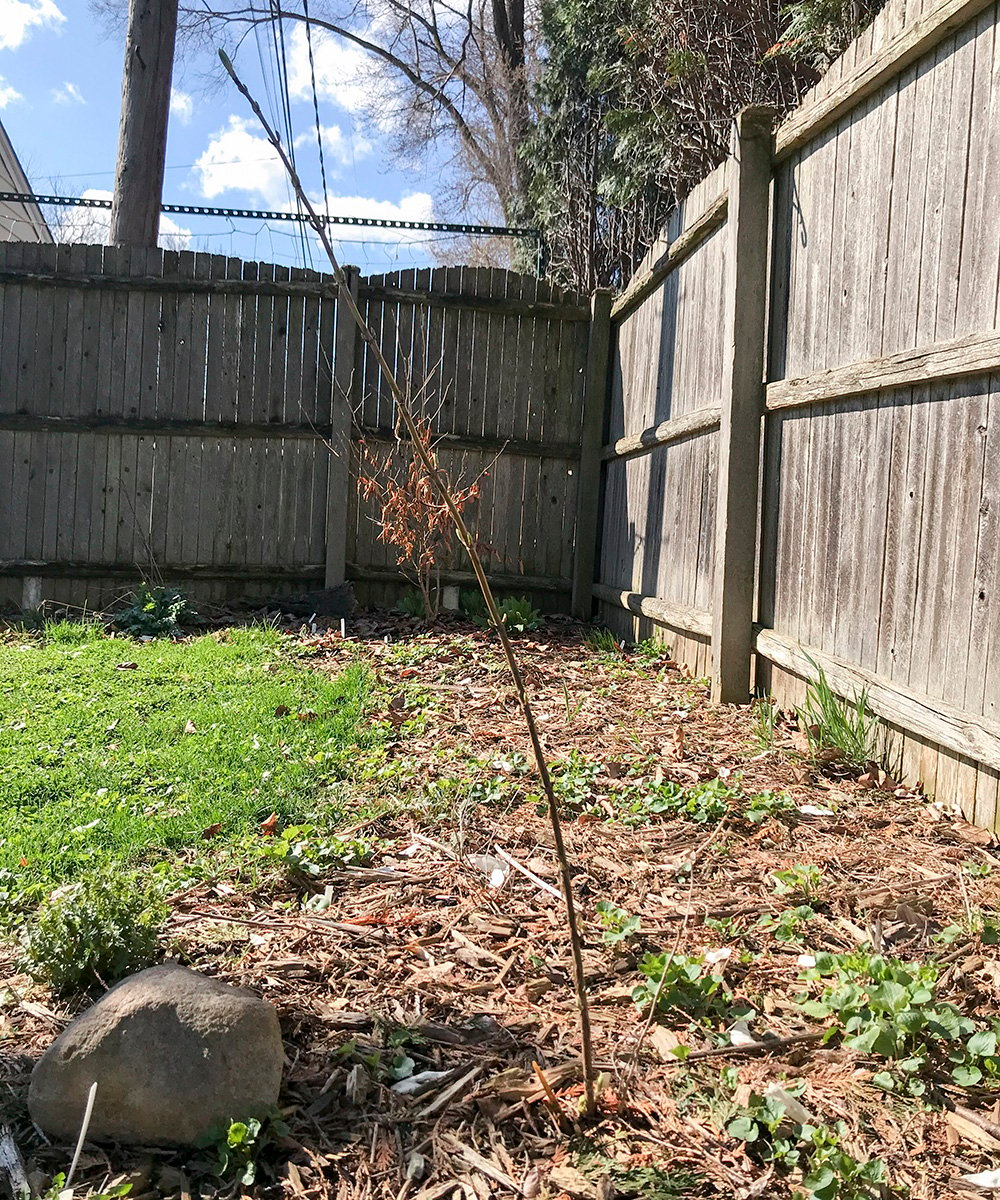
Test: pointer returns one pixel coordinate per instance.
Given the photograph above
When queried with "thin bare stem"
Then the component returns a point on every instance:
(427, 461)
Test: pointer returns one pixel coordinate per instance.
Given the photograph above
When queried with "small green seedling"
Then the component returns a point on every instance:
(680, 982)
(619, 926)
(238, 1146)
(787, 925)
(763, 721)
(800, 880)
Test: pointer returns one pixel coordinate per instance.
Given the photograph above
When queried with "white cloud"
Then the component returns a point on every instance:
(69, 93)
(91, 225)
(181, 105)
(416, 206)
(238, 160)
(342, 70)
(339, 148)
(8, 94)
(18, 17)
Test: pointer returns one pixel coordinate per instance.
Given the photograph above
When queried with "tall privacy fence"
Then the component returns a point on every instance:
(780, 443)
(196, 418)
(846, 513)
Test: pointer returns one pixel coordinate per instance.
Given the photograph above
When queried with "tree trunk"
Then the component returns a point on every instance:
(142, 135)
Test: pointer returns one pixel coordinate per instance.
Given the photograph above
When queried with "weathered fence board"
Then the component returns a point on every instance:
(196, 417)
(878, 539)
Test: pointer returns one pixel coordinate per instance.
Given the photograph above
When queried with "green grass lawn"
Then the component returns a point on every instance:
(103, 763)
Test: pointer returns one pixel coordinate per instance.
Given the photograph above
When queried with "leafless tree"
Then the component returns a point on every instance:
(452, 74)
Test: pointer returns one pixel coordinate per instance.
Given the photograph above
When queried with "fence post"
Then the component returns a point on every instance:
(588, 495)
(338, 480)
(749, 177)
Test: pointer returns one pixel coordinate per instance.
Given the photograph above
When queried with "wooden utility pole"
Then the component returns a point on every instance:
(142, 134)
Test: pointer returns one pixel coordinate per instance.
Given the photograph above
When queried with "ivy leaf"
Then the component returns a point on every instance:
(983, 1044)
(744, 1128)
(966, 1075)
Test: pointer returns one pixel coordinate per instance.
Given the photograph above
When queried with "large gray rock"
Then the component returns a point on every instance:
(173, 1054)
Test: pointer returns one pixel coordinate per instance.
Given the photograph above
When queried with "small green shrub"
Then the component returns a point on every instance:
(842, 725)
(412, 605)
(520, 615)
(156, 612)
(472, 604)
(97, 930)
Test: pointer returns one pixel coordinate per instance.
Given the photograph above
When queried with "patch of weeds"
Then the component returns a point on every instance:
(888, 1008)
(844, 726)
(640, 1182)
(977, 870)
(95, 931)
(704, 803)
(71, 633)
(57, 1189)
(764, 805)
(472, 604)
(763, 716)
(157, 612)
(573, 780)
(411, 604)
(801, 880)
(787, 925)
(520, 615)
(685, 983)
(603, 641)
(240, 1146)
(311, 853)
(977, 923)
(618, 924)
(651, 650)
(828, 1171)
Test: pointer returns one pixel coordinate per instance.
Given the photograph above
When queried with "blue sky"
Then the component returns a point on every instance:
(60, 94)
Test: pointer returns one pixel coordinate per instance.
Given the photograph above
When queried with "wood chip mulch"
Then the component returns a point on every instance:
(446, 961)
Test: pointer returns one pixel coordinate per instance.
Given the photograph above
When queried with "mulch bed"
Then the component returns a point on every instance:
(450, 949)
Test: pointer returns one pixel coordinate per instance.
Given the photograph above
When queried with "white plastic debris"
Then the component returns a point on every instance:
(793, 1109)
(806, 960)
(717, 956)
(815, 810)
(987, 1180)
(740, 1035)
(415, 1085)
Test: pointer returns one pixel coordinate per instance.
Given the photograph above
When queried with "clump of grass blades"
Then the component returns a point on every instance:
(832, 723)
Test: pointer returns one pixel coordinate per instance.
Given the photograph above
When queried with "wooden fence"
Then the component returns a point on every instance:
(847, 510)
(173, 414)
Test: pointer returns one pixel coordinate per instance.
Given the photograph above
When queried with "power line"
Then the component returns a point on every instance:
(202, 210)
